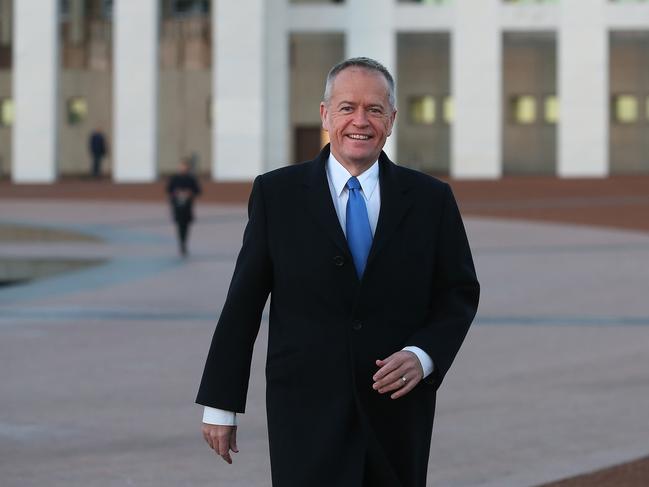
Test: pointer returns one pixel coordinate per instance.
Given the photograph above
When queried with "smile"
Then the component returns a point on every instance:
(358, 136)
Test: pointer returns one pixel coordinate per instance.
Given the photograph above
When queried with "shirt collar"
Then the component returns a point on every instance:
(339, 176)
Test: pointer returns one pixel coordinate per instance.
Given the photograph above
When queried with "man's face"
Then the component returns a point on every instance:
(358, 116)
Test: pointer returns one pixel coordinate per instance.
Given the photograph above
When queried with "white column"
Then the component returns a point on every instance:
(135, 61)
(583, 89)
(476, 87)
(35, 81)
(277, 114)
(238, 89)
(370, 33)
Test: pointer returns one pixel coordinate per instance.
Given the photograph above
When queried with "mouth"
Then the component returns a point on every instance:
(359, 136)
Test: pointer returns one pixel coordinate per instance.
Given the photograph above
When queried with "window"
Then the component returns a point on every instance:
(625, 109)
(64, 10)
(6, 112)
(422, 110)
(523, 109)
(186, 8)
(551, 109)
(77, 110)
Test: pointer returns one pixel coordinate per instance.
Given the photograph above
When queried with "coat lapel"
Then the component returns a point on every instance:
(320, 204)
(395, 203)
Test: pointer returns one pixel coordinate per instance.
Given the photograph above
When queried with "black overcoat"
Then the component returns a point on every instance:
(327, 328)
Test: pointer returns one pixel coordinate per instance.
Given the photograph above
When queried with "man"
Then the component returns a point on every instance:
(182, 189)
(372, 290)
(97, 147)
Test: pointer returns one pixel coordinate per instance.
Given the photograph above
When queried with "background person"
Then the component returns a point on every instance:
(98, 150)
(182, 189)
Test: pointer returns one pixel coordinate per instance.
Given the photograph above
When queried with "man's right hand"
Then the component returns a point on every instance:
(222, 439)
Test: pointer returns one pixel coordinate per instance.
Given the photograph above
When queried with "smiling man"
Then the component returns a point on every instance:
(373, 290)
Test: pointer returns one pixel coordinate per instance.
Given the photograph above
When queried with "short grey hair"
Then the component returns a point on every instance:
(364, 63)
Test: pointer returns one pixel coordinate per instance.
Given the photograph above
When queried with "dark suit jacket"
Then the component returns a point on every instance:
(327, 328)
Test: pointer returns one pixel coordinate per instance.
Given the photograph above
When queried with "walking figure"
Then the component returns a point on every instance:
(182, 188)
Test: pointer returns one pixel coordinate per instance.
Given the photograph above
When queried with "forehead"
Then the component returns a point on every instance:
(360, 81)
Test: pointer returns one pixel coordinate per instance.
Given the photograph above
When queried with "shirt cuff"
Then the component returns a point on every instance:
(219, 417)
(424, 359)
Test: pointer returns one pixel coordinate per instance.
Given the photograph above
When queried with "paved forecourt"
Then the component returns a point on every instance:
(100, 366)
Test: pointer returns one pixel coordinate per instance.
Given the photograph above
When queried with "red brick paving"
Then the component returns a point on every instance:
(618, 202)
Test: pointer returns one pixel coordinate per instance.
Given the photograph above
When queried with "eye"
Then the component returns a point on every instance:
(345, 108)
(376, 111)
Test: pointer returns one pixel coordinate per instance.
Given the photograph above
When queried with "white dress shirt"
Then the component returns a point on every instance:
(337, 177)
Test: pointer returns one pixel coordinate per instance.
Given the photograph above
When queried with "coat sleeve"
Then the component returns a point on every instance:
(455, 293)
(227, 370)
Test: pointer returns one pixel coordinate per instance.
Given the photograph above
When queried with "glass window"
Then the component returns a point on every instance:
(183, 8)
(77, 110)
(523, 109)
(448, 109)
(6, 112)
(64, 10)
(422, 110)
(625, 108)
(551, 109)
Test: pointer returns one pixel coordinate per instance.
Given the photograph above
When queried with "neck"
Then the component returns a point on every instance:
(354, 168)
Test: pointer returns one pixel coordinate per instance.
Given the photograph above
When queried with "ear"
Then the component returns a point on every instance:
(393, 117)
(323, 115)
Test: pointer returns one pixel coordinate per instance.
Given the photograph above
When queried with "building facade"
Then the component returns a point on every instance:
(484, 88)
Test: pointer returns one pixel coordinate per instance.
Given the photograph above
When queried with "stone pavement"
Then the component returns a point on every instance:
(99, 367)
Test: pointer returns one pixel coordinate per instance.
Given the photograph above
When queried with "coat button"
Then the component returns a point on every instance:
(339, 260)
(357, 325)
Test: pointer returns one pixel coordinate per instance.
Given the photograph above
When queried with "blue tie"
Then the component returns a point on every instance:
(359, 233)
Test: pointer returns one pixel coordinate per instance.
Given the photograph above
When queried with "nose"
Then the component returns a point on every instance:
(360, 118)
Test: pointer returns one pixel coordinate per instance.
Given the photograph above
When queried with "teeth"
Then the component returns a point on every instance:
(359, 136)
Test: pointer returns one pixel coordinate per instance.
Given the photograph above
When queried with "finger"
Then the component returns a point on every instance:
(207, 438)
(233, 441)
(387, 367)
(207, 435)
(393, 386)
(394, 376)
(223, 449)
(382, 362)
(404, 390)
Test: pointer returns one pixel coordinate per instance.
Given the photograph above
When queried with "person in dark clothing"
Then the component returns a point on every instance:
(182, 188)
(372, 290)
(97, 147)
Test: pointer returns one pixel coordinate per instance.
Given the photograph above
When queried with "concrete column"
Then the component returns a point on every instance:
(77, 14)
(476, 87)
(5, 22)
(238, 140)
(583, 89)
(278, 120)
(35, 82)
(370, 33)
(135, 60)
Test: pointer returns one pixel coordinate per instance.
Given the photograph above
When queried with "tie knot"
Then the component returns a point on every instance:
(353, 183)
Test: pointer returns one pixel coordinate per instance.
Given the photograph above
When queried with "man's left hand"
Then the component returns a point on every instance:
(400, 372)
